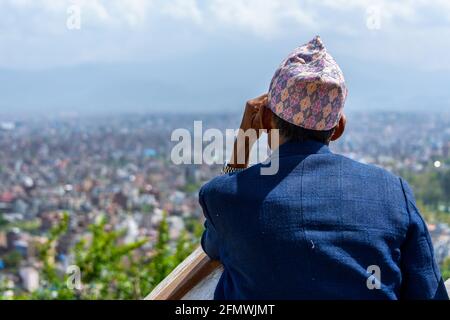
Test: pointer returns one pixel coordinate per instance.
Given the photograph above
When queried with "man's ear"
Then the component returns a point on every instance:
(340, 128)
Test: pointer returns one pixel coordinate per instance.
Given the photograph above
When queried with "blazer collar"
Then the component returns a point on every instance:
(303, 148)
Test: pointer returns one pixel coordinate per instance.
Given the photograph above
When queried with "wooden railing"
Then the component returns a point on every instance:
(194, 279)
(447, 286)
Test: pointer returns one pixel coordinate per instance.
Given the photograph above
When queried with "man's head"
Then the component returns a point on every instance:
(307, 95)
(293, 133)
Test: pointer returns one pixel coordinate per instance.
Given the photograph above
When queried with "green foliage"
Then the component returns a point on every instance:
(110, 268)
(105, 264)
(166, 258)
(433, 215)
(25, 225)
(426, 187)
(431, 187)
(162, 261)
(3, 222)
(432, 191)
(191, 187)
(194, 227)
(12, 259)
(147, 209)
(445, 269)
(46, 250)
(445, 183)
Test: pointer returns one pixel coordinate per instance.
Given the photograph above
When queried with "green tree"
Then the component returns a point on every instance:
(106, 264)
(110, 269)
(445, 182)
(12, 259)
(3, 222)
(445, 269)
(46, 250)
(162, 262)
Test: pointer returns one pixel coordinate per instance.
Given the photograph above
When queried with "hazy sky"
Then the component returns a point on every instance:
(212, 55)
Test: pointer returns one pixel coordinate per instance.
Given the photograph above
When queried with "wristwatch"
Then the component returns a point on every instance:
(227, 169)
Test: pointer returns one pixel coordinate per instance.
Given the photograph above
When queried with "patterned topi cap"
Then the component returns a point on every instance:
(308, 89)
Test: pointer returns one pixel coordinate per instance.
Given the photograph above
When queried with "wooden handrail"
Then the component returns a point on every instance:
(188, 276)
(447, 286)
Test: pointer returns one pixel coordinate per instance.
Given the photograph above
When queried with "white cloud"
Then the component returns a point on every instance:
(266, 18)
(134, 12)
(259, 16)
(96, 12)
(183, 9)
(262, 17)
(109, 26)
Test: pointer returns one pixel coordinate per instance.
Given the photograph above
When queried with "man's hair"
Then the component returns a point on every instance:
(294, 133)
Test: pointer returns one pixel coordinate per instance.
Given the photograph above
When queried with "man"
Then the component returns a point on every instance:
(323, 226)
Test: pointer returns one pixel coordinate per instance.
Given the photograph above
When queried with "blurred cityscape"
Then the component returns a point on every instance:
(120, 167)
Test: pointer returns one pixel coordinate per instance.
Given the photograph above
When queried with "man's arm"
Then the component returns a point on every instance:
(421, 276)
(251, 120)
(239, 160)
(210, 238)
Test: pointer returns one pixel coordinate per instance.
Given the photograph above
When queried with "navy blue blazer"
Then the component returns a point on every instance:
(318, 229)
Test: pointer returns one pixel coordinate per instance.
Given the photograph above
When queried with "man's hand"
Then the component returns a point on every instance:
(251, 120)
(251, 117)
